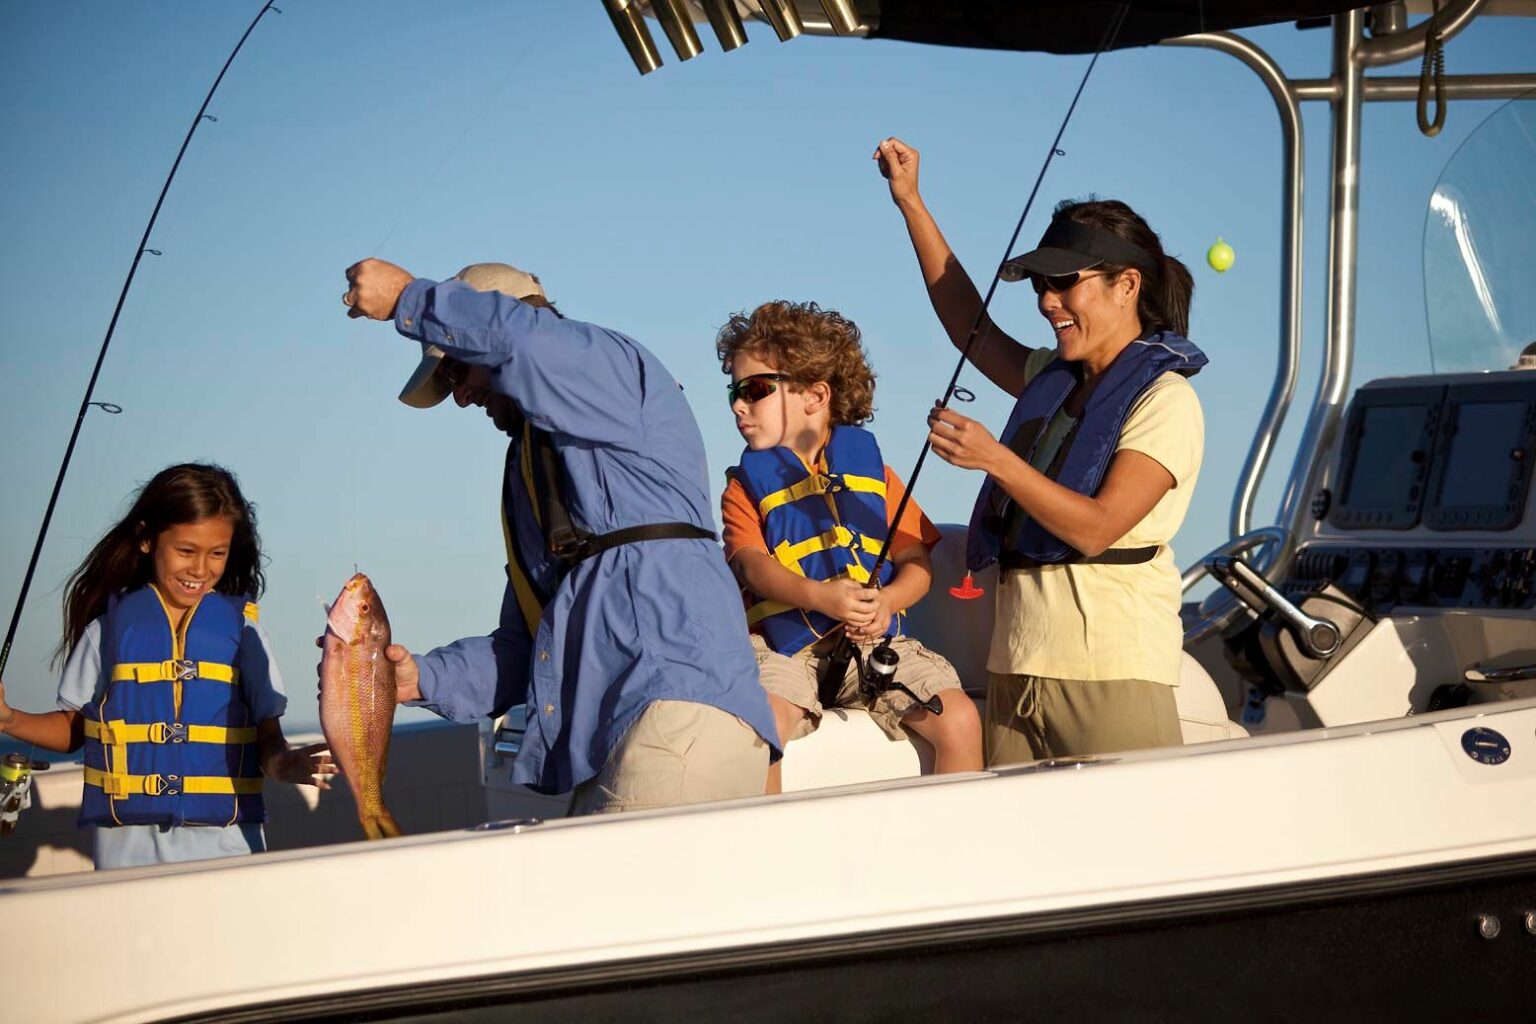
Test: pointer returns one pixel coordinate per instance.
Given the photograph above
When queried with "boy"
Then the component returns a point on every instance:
(806, 513)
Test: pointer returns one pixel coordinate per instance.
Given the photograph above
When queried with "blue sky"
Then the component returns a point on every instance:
(436, 135)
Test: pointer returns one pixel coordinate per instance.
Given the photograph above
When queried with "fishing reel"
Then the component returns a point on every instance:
(877, 675)
(16, 788)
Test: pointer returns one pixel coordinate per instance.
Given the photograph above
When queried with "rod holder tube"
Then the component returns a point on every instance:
(842, 16)
(677, 23)
(784, 18)
(630, 26)
(726, 23)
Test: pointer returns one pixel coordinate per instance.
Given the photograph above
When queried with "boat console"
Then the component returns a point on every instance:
(1422, 521)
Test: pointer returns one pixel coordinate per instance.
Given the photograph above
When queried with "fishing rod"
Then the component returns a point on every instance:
(90, 388)
(883, 659)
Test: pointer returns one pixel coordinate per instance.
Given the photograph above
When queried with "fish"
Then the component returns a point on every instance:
(357, 699)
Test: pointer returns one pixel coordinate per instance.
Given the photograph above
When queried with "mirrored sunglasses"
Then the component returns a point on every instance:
(753, 389)
(1058, 282)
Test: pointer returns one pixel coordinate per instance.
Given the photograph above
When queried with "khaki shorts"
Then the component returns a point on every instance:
(1031, 717)
(677, 752)
(793, 678)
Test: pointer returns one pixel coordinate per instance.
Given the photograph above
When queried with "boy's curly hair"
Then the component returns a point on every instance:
(807, 344)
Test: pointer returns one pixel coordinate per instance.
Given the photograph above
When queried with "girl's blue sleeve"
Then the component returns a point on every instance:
(565, 375)
(260, 680)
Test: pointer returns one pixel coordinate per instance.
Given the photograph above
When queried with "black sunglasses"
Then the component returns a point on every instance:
(1058, 282)
(754, 388)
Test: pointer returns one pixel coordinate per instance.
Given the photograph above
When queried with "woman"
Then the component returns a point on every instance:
(1090, 482)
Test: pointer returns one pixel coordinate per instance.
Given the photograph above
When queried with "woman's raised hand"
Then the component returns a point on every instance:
(961, 441)
(898, 165)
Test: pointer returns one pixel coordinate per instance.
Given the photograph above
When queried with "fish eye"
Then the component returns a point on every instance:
(363, 607)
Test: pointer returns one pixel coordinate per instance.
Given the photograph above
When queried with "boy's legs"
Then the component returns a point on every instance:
(955, 735)
(791, 689)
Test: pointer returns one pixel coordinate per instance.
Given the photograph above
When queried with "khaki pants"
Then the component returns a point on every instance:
(794, 679)
(1030, 717)
(677, 752)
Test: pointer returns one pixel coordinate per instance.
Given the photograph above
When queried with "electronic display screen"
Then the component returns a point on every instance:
(1478, 466)
(1389, 457)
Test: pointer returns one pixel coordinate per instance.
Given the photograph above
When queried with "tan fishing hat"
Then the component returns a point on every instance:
(428, 384)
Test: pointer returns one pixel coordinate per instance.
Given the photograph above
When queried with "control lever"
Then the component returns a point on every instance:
(1319, 638)
(1474, 674)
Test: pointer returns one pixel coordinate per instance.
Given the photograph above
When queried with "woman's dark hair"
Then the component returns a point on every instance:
(1166, 290)
(188, 493)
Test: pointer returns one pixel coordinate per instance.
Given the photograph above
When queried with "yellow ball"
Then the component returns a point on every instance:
(1220, 256)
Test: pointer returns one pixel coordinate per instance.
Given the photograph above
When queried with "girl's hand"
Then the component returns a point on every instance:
(846, 601)
(898, 165)
(303, 766)
(7, 715)
(877, 625)
(961, 441)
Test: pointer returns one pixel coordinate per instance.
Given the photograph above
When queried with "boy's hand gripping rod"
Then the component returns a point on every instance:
(835, 668)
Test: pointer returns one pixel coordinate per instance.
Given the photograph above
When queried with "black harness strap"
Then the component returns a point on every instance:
(1011, 560)
(569, 542)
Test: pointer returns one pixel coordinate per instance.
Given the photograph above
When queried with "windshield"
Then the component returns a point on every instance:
(1480, 246)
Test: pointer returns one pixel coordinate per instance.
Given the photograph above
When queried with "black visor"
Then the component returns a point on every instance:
(1068, 247)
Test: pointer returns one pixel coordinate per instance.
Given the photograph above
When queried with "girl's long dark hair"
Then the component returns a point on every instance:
(1163, 304)
(187, 493)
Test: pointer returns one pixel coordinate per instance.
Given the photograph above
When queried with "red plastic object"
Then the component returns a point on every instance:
(967, 590)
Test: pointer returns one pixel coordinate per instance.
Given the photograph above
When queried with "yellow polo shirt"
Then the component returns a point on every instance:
(1111, 621)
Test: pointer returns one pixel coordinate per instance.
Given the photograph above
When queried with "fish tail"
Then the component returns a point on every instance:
(379, 824)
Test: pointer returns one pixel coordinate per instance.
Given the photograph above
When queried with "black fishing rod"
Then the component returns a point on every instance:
(836, 667)
(90, 388)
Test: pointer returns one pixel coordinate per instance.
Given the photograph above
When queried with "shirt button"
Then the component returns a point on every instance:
(543, 655)
(549, 709)
(447, 336)
(408, 321)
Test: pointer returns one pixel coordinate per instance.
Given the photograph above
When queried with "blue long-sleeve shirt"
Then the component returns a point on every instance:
(656, 620)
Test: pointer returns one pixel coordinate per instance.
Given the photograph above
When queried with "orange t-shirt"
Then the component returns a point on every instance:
(744, 527)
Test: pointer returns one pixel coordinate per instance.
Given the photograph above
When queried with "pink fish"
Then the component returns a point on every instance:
(357, 699)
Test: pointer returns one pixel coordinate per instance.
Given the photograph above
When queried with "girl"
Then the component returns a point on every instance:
(169, 682)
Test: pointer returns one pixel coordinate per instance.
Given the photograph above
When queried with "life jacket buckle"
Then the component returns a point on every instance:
(162, 785)
(185, 669)
(168, 732)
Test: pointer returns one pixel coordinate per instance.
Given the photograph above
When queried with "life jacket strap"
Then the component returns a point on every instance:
(183, 670)
(118, 785)
(114, 733)
(819, 483)
(1110, 556)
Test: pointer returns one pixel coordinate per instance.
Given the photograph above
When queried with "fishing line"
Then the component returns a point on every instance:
(837, 661)
(1112, 32)
(90, 388)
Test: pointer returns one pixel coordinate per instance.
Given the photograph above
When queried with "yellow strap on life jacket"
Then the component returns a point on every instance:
(814, 484)
(867, 484)
(252, 611)
(763, 609)
(171, 671)
(117, 785)
(113, 733)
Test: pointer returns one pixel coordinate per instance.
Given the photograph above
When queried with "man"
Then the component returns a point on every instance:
(621, 627)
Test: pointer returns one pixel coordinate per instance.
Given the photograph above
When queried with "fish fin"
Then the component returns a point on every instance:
(380, 825)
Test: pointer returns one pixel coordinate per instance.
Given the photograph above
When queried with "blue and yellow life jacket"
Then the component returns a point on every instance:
(822, 526)
(169, 740)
